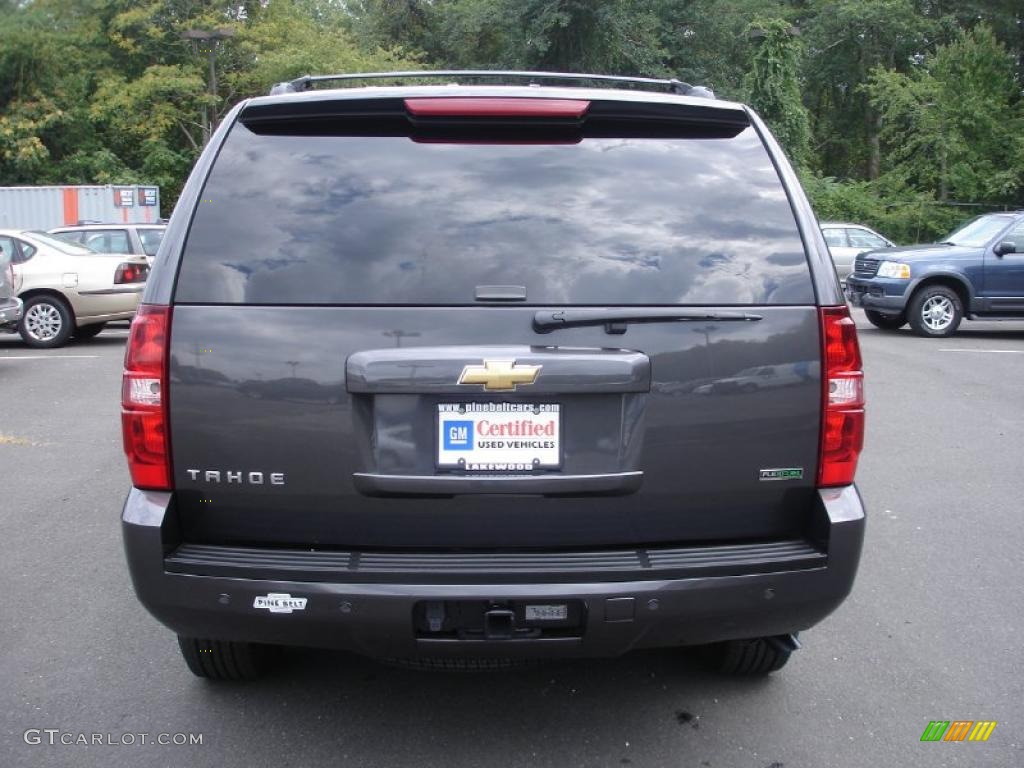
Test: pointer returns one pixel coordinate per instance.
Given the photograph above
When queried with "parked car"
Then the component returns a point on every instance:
(68, 289)
(140, 239)
(846, 241)
(10, 304)
(495, 303)
(760, 377)
(977, 272)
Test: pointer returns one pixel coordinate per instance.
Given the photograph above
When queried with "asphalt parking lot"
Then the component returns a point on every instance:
(932, 631)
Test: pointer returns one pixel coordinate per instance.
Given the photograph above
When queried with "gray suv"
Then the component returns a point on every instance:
(457, 375)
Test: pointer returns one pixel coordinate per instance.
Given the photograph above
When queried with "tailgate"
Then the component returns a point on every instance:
(359, 356)
(662, 438)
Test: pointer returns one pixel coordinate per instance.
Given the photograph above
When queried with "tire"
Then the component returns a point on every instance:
(83, 332)
(46, 322)
(759, 656)
(224, 659)
(886, 322)
(935, 311)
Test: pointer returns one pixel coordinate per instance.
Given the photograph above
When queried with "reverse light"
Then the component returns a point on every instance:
(894, 269)
(144, 422)
(842, 420)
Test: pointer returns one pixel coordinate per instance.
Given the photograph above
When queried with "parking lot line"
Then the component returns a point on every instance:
(47, 357)
(989, 351)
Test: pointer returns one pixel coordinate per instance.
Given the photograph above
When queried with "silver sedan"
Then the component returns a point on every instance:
(68, 289)
(847, 241)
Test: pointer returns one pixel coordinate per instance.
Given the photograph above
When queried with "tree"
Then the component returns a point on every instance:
(107, 91)
(607, 36)
(897, 92)
(706, 40)
(954, 125)
(846, 40)
(301, 37)
(774, 86)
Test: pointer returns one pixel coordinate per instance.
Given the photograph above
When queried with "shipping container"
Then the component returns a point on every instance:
(48, 207)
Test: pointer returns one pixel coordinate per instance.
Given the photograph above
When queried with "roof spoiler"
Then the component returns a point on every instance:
(306, 82)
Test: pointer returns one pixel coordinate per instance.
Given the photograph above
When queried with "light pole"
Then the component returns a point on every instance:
(206, 41)
(398, 334)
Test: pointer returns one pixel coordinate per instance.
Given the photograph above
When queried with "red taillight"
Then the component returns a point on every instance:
(130, 273)
(144, 399)
(842, 419)
(468, 106)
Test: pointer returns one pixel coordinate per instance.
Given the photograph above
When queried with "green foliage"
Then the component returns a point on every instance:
(954, 124)
(706, 40)
(562, 35)
(902, 214)
(887, 106)
(774, 86)
(845, 40)
(268, 46)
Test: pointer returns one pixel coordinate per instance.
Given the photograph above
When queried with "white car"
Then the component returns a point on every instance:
(70, 290)
(847, 241)
(140, 239)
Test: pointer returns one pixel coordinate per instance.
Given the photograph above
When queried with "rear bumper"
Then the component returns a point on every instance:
(699, 595)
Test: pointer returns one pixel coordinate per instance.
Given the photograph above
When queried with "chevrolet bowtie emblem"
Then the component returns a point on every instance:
(499, 375)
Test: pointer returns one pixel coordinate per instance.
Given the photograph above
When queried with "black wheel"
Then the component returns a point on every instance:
(935, 311)
(89, 331)
(224, 659)
(46, 322)
(758, 656)
(885, 322)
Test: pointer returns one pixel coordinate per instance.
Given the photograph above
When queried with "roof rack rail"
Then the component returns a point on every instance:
(306, 82)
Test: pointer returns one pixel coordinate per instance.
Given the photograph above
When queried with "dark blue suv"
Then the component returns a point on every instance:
(977, 272)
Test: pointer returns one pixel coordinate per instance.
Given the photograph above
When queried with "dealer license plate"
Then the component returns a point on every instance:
(546, 612)
(499, 437)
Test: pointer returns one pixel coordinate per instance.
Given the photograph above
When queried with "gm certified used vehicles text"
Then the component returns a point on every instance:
(977, 272)
(68, 289)
(416, 372)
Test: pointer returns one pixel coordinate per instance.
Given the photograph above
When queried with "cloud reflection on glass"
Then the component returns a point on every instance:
(386, 220)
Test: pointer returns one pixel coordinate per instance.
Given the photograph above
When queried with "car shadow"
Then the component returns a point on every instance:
(632, 703)
(964, 332)
(103, 340)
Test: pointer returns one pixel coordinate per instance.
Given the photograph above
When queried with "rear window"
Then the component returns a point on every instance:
(318, 219)
(62, 245)
(151, 240)
(108, 240)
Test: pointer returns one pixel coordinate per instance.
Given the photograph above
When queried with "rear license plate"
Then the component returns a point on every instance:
(546, 612)
(499, 437)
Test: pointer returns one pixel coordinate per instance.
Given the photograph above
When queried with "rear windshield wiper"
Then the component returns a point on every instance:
(616, 320)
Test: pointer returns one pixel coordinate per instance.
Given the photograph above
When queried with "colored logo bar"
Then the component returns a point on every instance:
(958, 730)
